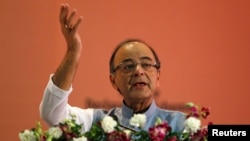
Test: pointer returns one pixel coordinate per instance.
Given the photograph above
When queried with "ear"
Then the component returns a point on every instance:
(112, 81)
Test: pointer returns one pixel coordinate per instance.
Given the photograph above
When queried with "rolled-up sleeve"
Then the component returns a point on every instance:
(54, 107)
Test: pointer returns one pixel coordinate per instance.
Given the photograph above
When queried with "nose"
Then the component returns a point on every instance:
(139, 70)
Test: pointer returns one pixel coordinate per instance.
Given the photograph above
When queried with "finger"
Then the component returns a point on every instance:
(61, 11)
(76, 26)
(69, 20)
(64, 10)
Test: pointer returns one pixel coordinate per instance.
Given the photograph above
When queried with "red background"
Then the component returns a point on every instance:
(203, 45)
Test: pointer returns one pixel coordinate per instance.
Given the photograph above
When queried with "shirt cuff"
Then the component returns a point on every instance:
(58, 91)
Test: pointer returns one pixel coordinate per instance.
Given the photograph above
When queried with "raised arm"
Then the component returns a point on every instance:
(54, 106)
(65, 72)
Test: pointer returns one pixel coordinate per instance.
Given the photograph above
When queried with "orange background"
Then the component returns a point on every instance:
(203, 45)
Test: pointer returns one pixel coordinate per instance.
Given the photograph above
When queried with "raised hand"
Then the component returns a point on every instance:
(70, 29)
(65, 72)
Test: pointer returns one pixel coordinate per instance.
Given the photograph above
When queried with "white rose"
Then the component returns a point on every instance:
(138, 120)
(192, 125)
(127, 132)
(55, 132)
(27, 135)
(108, 124)
(80, 139)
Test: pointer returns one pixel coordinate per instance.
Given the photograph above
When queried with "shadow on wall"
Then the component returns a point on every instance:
(108, 104)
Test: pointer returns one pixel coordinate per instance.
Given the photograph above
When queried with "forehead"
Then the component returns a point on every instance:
(133, 50)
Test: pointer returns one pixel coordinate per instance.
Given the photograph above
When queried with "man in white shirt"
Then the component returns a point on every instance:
(134, 73)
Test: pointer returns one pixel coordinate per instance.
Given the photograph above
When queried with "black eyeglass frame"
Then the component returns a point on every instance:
(156, 65)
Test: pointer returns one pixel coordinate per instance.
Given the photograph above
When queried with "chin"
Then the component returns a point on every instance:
(140, 96)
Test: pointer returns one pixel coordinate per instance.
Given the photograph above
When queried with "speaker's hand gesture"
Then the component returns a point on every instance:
(70, 29)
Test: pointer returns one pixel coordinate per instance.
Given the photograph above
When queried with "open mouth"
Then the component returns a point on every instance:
(139, 84)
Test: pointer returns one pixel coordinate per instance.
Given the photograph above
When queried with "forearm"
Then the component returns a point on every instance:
(65, 73)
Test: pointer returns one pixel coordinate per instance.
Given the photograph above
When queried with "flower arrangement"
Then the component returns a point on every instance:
(108, 130)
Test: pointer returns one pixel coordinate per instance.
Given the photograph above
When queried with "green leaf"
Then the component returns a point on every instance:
(140, 136)
(96, 133)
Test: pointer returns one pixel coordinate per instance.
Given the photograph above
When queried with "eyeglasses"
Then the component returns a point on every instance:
(129, 66)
